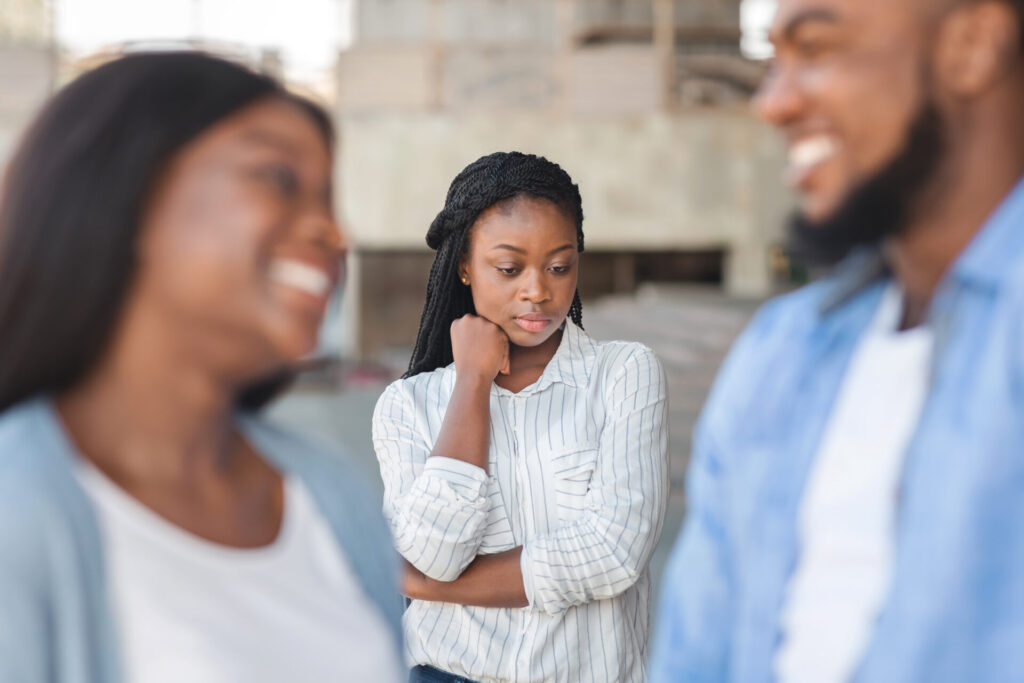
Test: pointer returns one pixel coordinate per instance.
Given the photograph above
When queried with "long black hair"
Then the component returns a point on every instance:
(74, 196)
(487, 181)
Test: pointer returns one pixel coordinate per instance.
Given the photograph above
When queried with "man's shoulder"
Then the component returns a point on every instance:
(804, 302)
(788, 317)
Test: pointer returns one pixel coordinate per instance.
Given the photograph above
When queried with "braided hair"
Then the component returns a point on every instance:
(487, 181)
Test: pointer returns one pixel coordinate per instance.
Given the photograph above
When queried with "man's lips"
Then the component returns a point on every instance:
(532, 323)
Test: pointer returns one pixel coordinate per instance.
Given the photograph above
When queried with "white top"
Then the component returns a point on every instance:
(578, 476)
(192, 610)
(848, 514)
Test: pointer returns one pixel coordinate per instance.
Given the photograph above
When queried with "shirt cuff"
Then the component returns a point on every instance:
(526, 567)
(457, 473)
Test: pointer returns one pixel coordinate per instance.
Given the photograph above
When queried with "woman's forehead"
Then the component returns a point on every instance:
(528, 220)
(271, 123)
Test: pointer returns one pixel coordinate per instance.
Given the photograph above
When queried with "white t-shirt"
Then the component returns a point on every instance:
(192, 610)
(848, 514)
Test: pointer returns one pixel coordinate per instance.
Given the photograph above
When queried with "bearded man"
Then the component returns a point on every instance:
(856, 495)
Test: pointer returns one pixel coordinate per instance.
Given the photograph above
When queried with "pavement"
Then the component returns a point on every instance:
(689, 328)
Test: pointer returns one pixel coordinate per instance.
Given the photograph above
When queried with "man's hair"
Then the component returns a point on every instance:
(488, 181)
(1018, 5)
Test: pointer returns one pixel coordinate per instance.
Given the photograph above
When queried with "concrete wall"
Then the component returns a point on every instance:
(510, 22)
(655, 129)
(25, 22)
(27, 79)
(690, 182)
(693, 180)
(640, 12)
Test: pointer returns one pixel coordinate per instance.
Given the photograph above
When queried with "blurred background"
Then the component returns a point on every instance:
(644, 102)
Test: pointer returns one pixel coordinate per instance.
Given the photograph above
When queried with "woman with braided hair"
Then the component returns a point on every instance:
(524, 463)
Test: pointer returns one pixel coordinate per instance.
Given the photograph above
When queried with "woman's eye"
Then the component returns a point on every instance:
(560, 270)
(284, 179)
(510, 270)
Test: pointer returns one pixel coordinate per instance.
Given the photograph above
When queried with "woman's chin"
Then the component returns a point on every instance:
(524, 339)
(293, 347)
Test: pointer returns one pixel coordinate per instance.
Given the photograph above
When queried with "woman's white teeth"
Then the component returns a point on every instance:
(300, 276)
(811, 152)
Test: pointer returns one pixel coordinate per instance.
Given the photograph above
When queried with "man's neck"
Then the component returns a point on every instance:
(975, 179)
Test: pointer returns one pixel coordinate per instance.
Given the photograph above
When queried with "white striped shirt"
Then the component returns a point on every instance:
(578, 476)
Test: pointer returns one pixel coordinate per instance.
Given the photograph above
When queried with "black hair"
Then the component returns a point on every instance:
(1018, 6)
(486, 182)
(73, 199)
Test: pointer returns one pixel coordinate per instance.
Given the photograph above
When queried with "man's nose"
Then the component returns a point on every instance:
(780, 99)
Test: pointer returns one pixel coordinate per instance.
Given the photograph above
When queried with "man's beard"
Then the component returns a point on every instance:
(880, 207)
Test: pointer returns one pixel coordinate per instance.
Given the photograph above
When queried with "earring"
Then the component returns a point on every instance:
(465, 281)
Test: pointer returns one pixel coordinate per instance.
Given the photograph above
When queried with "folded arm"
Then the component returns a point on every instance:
(604, 552)
(434, 497)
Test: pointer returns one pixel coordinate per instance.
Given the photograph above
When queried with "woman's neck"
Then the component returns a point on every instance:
(149, 412)
(527, 363)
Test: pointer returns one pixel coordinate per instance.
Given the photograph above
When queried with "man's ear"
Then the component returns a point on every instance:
(978, 42)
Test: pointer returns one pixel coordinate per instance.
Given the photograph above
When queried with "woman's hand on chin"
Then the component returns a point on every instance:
(479, 347)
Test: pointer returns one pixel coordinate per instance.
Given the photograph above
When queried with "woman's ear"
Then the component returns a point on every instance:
(464, 270)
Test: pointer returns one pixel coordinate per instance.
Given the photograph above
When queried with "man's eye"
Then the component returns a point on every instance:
(812, 47)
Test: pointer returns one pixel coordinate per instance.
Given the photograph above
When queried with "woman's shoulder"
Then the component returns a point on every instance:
(344, 496)
(341, 489)
(402, 392)
(618, 358)
(39, 498)
(30, 444)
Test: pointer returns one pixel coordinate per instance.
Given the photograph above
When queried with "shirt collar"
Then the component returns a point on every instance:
(987, 260)
(858, 271)
(996, 250)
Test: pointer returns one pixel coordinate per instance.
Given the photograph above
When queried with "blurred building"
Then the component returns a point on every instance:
(644, 102)
(27, 66)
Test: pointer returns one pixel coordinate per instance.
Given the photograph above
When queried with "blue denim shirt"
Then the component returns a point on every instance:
(955, 610)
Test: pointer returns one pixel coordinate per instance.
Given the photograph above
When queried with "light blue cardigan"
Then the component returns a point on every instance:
(55, 622)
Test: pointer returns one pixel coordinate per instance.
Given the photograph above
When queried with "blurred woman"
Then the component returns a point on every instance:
(167, 246)
(524, 463)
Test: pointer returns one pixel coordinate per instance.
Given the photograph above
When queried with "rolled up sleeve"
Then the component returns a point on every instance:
(606, 550)
(436, 506)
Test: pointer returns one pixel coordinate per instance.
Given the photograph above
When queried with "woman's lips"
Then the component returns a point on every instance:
(532, 323)
(313, 283)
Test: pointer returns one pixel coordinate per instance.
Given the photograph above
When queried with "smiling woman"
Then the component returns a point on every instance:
(167, 243)
(524, 463)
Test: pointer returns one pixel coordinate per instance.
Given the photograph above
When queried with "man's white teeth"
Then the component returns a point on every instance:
(811, 152)
(300, 276)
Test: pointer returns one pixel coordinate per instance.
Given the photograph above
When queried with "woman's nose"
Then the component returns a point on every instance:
(534, 288)
(319, 226)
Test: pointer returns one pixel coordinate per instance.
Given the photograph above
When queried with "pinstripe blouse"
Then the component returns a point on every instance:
(578, 476)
